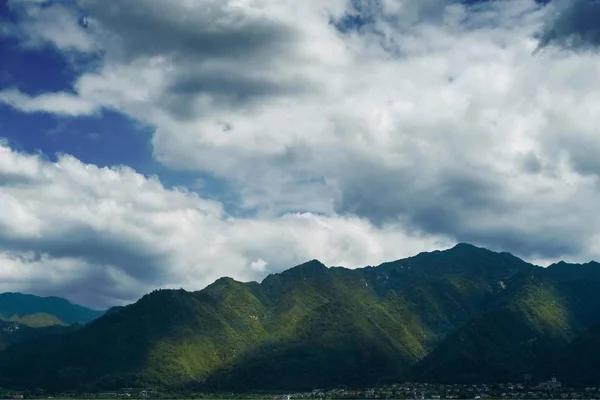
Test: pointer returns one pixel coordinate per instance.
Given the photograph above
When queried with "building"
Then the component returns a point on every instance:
(552, 384)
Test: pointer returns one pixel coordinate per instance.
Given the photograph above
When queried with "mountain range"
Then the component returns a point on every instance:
(35, 311)
(465, 314)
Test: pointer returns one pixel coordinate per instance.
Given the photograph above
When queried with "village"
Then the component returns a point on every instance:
(413, 390)
(550, 389)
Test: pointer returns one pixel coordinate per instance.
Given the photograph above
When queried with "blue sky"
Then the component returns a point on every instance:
(166, 144)
(106, 139)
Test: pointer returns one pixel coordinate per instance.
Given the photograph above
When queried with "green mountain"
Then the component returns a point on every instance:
(529, 331)
(579, 362)
(37, 311)
(529, 327)
(13, 333)
(464, 314)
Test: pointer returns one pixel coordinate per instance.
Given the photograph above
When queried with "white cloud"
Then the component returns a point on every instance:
(106, 235)
(434, 117)
(55, 103)
(43, 22)
(259, 265)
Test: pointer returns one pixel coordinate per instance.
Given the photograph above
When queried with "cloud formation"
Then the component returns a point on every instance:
(108, 235)
(474, 122)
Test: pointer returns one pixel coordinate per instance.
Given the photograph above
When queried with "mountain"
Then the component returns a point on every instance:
(529, 328)
(13, 333)
(37, 311)
(579, 362)
(463, 314)
(37, 320)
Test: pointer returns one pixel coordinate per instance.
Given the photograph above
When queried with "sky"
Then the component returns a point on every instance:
(164, 144)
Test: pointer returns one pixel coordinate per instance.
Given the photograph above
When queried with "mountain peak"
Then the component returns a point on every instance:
(314, 263)
(309, 269)
(470, 249)
(463, 258)
(467, 247)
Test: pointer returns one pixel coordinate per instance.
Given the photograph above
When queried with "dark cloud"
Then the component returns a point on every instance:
(434, 203)
(12, 179)
(205, 32)
(531, 163)
(212, 52)
(543, 243)
(575, 25)
(469, 205)
(583, 153)
(98, 288)
(228, 89)
(97, 248)
(581, 147)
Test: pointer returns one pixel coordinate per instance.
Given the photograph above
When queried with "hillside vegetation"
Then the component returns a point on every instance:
(464, 314)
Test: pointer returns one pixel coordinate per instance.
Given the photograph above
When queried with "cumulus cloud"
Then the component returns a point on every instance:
(108, 235)
(435, 117)
(259, 265)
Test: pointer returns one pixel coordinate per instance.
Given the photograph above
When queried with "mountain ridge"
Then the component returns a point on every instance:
(39, 311)
(431, 316)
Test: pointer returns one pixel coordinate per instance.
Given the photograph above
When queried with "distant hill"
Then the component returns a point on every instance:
(37, 320)
(43, 311)
(464, 314)
(12, 333)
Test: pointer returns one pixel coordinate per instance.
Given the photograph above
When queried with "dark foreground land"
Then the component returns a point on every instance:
(552, 389)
